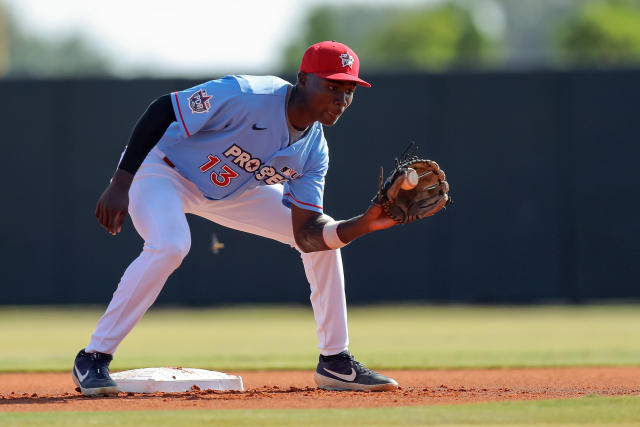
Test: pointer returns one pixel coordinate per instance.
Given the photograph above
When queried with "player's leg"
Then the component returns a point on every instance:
(156, 200)
(337, 369)
(260, 211)
(326, 280)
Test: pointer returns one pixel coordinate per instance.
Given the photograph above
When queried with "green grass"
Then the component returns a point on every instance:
(393, 336)
(612, 411)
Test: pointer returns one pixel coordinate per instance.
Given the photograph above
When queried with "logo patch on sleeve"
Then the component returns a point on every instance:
(199, 102)
(287, 171)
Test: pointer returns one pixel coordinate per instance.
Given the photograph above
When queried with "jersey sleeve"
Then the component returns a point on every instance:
(307, 191)
(208, 105)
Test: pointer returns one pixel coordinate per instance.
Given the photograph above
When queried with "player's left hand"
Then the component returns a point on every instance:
(376, 218)
(405, 201)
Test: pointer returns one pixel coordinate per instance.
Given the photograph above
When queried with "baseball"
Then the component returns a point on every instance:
(411, 180)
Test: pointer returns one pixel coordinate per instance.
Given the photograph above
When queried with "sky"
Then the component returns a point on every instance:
(171, 38)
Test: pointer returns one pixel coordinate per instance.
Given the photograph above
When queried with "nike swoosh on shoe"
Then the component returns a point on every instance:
(350, 377)
(80, 377)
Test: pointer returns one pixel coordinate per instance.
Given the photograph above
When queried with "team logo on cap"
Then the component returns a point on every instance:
(199, 102)
(347, 60)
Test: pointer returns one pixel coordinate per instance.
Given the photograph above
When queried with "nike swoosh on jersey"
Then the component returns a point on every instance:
(80, 377)
(255, 127)
(350, 377)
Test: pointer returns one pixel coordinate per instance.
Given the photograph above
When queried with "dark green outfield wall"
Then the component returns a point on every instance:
(542, 166)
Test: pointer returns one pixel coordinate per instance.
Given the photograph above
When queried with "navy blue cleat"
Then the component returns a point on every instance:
(343, 372)
(91, 373)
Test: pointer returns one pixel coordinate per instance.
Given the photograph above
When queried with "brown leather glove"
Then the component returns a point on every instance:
(430, 194)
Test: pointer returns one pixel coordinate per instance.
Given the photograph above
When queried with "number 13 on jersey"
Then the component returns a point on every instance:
(223, 178)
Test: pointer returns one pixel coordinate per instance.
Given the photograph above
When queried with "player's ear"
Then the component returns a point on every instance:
(302, 78)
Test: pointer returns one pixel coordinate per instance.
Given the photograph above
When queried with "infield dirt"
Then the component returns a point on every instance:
(295, 389)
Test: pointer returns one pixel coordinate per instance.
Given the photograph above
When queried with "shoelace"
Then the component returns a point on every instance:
(359, 367)
(97, 358)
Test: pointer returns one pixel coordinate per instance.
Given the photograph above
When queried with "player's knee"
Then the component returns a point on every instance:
(174, 251)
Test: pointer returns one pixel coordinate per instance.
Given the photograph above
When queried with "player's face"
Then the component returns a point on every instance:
(327, 99)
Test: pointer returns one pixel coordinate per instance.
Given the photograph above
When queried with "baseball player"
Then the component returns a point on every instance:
(249, 153)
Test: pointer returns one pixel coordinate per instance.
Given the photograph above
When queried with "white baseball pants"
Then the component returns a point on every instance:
(158, 200)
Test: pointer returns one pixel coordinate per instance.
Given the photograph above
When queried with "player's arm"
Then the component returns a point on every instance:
(114, 201)
(147, 132)
(314, 231)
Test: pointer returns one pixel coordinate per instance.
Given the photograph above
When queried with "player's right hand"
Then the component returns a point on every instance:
(113, 204)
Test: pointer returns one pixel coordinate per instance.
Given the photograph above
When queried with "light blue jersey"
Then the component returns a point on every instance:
(231, 135)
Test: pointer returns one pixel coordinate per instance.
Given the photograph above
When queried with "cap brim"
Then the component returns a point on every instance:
(344, 77)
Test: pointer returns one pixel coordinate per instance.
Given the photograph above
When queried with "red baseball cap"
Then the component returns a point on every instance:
(334, 61)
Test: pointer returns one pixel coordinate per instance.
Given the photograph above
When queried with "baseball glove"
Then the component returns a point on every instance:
(429, 195)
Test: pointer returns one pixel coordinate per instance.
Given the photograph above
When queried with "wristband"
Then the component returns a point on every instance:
(330, 235)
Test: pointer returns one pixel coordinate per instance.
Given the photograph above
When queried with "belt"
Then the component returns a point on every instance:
(169, 162)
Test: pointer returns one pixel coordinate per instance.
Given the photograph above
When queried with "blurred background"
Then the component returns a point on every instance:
(531, 107)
